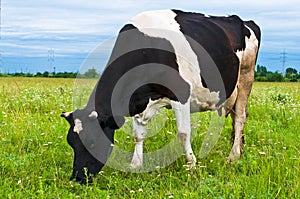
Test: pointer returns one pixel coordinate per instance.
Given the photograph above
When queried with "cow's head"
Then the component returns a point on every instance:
(92, 139)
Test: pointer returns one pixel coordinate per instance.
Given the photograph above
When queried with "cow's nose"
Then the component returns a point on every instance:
(85, 180)
(81, 177)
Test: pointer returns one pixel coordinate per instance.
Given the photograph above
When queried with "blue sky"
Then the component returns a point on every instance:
(73, 29)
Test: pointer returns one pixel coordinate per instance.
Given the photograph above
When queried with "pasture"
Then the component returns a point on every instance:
(36, 160)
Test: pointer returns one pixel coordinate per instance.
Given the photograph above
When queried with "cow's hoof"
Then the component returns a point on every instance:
(135, 163)
(191, 161)
(229, 160)
(235, 154)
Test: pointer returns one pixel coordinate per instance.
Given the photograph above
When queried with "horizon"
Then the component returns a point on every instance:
(38, 36)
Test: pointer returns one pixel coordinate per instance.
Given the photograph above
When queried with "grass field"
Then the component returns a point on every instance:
(36, 160)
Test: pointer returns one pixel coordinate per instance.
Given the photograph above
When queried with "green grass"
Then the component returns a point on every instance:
(36, 160)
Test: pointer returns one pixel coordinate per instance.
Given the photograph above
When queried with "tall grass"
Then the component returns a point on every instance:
(36, 160)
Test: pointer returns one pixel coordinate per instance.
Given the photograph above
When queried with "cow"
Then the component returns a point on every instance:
(189, 62)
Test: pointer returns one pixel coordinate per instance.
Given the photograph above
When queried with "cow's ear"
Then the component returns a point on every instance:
(115, 122)
(68, 116)
(93, 115)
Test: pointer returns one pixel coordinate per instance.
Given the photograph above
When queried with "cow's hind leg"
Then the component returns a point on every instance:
(182, 114)
(239, 114)
(239, 120)
(245, 81)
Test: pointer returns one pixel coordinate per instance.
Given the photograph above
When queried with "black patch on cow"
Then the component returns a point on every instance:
(221, 37)
(133, 49)
(127, 27)
(151, 91)
(255, 28)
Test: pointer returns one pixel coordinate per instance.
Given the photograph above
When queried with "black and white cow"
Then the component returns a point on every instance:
(189, 62)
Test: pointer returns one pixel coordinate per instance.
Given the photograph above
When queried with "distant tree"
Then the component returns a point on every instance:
(65, 75)
(258, 68)
(275, 77)
(291, 71)
(91, 73)
(261, 79)
(4, 75)
(46, 74)
(291, 74)
(261, 71)
(29, 75)
(38, 74)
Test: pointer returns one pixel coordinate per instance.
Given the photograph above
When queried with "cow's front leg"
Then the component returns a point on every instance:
(139, 128)
(182, 114)
(139, 131)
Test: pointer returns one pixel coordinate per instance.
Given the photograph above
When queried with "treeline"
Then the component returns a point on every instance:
(263, 75)
(44, 74)
(91, 73)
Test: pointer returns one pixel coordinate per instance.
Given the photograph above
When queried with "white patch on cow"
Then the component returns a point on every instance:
(251, 44)
(67, 114)
(93, 115)
(162, 24)
(78, 126)
(152, 107)
(239, 54)
(202, 99)
(206, 16)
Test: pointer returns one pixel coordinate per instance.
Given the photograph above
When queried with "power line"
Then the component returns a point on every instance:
(283, 57)
(51, 59)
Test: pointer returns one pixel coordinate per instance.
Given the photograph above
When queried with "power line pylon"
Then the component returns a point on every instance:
(283, 60)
